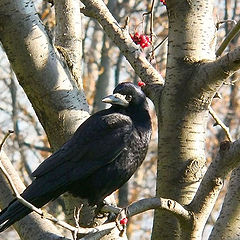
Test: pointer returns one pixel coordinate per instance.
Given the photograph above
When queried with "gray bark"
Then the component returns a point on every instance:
(183, 116)
(68, 39)
(193, 77)
(49, 84)
(59, 104)
(227, 225)
(40, 228)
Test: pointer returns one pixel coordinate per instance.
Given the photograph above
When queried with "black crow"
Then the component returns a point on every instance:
(101, 156)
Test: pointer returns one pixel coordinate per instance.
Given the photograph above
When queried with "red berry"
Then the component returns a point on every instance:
(141, 84)
(136, 35)
(136, 38)
(142, 40)
(163, 1)
(123, 221)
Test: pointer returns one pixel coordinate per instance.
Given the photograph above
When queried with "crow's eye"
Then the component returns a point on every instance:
(128, 98)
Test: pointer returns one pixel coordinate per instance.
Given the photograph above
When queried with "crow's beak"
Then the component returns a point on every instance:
(116, 99)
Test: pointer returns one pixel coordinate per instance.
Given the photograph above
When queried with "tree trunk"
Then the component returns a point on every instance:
(58, 102)
(183, 110)
(54, 91)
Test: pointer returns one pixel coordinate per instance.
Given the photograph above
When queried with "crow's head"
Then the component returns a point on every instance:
(126, 94)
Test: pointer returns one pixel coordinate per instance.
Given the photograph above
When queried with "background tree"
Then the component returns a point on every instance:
(45, 52)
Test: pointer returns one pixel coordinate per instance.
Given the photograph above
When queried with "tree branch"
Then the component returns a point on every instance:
(36, 147)
(120, 36)
(235, 30)
(227, 159)
(220, 123)
(144, 205)
(227, 224)
(69, 35)
(211, 75)
(5, 138)
(40, 229)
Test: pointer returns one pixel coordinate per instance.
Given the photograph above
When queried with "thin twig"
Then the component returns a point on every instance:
(226, 21)
(163, 41)
(220, 123)
(36, 147)
(151, 27)
(5, 138)
(235, 30)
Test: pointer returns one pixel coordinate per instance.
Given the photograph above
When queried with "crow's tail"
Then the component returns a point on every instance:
(14, 212)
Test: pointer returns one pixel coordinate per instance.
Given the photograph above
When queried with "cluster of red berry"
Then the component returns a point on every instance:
(163, 1)
(141, 84)
(142, 40)
(124, 221)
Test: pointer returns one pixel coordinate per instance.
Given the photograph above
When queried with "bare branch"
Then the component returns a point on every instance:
(211, 75)
(151, 28)
(5, 138)
(162, 42)
(122, 39)
(235, 30)
(144, 205)
(220, 123)
(227, 159)
(69, 35)
(100, 231)
(40, 148)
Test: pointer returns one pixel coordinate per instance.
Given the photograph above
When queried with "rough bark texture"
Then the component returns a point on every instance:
(227, 225)
(183, 111)
(55, 95)
(58, 103)
(193, 76)
(69, 36)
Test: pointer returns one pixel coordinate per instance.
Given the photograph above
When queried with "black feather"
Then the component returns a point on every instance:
(101, 156)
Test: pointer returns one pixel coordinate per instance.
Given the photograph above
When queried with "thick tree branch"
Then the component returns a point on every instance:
(120, 36)
(69, 35)
(211, 75)
(227, 224)
(227, 159)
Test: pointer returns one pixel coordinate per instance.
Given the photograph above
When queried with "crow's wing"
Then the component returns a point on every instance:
(97, 142)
